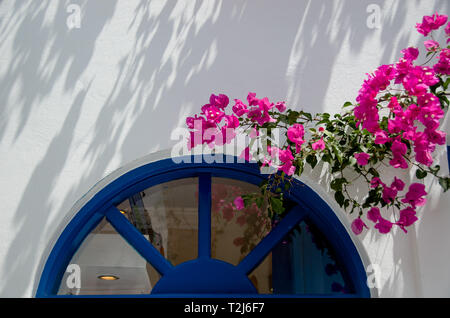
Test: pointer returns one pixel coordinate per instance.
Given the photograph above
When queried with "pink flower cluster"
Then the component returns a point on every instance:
(415, 196)
(214, 127)
(416, 80)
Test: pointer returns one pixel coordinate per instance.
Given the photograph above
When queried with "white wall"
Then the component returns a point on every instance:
(77, 104)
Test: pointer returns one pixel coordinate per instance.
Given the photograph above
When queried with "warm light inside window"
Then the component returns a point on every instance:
(108, 277)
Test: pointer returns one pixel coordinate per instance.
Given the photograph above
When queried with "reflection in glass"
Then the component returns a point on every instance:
(167, 215)
(106, 264)
(234, 233)
(303, 263)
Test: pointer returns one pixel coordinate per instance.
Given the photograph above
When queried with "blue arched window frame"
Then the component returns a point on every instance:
(103, 203)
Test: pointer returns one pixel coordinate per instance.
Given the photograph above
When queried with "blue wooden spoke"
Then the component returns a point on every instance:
(138, 241)
(204, 215)
(257, 255)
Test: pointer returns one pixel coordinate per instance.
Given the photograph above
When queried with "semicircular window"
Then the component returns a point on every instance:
(185, 235)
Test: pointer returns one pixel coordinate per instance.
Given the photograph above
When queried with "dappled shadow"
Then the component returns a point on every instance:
(174, 54)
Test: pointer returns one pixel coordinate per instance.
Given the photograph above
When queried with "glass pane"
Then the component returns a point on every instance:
(167, 214)
(303, 263)
(234, 233)
(106, 264)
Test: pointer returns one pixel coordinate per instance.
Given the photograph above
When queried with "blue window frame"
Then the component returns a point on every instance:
(178, 281)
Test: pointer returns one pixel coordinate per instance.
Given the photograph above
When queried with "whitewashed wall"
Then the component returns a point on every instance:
(78, 103)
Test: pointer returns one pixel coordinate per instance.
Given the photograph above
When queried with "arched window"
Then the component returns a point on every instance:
(167, 228)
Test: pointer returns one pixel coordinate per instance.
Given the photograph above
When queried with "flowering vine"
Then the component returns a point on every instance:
(393, 123)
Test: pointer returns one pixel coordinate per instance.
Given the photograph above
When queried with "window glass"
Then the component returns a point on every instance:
(106, 264)
(167, 214)
(234, 233)
(303, 263)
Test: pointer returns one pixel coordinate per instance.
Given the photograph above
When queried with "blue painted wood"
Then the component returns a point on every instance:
(257, 255)
(204, 215)
(448, 157)
(204, 276)
(138, 241)
(166, 170)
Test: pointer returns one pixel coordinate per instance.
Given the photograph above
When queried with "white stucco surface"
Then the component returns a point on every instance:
(76, 104)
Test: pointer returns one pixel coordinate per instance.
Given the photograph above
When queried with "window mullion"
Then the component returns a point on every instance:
(204, 215)
(257, 255)
(137, 240)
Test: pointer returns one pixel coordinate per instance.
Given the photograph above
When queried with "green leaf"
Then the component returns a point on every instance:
(339, 197)
(445, 183)
(347, 104)
(277, 205)
(312, 160)
(420, 174)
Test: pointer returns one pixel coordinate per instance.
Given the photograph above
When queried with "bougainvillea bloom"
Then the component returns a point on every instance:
(410, 54)
(362, 158)
(407, 218)
(430, 23)
(374, 214)
(239, 108)
(381, 137)
(389, 194)
(319, 145)
(358, 225)
(281, 106)
(431, 45)
(220, 101)
(398, 184)
(383, 226)
(213, 113)
(252, 100)
(296, 134)
(239, 203)
(415, 195)
(375, 182)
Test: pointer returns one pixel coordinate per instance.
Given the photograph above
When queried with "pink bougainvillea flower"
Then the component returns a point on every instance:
(252, 100)
(407, 218)
(239, 203)
(383, 226)
(415, 195)
(358, 225)
(374, 214)
(285, 155)
(375, 182)
(443, 65)
(288, 168)
(213, 113)
(319, 145)
(398, 149)
(190, 121)
(362, 158)
(239, 108)
(410, 54)
(232, 121)
(296, 134)
(381, 137)
(221, 101)
(398, 184)
(264, 104)
(281, 106)
(430, 23)
(399, 162)
(435, 136)
(389, 194)
(447, 29)
(431, 45)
